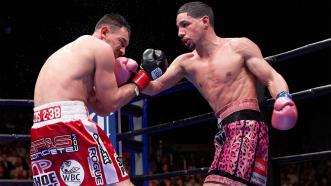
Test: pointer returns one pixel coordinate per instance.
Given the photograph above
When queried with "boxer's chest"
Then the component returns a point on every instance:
(221, 68)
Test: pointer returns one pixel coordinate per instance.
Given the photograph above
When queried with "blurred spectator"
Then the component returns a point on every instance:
(14, 162)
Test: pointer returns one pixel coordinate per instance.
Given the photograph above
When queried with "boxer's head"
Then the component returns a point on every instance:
(193, 19)
(196, 10)
(115, 30)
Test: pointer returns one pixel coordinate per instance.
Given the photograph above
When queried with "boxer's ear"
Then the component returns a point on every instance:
(104, 30)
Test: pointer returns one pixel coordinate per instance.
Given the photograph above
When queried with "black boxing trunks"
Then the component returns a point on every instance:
(241, 146)
(68, 148)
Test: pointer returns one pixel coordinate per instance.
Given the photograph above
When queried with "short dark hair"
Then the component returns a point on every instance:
(197, 9)
(114, 21)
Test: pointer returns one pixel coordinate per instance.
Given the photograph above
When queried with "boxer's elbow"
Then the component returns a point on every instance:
(102, 112)
(98, 108)
(109, 104)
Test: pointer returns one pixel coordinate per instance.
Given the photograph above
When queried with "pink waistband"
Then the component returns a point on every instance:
(251, 104)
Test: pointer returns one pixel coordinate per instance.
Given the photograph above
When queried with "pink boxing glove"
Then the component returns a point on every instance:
(285, 113)
(124, 67)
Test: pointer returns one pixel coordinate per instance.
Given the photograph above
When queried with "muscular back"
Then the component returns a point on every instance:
(68, 73)
(222, 77)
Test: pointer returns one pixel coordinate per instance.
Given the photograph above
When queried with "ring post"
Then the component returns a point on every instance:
(145, 139)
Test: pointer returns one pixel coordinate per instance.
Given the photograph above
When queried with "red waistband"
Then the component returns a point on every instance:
(251, 104)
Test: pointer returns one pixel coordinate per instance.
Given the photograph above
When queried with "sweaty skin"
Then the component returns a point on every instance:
(222, 69)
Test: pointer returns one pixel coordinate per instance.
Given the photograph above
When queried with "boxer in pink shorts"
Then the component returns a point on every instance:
(241, 145)
(66, 147)
(226, 72)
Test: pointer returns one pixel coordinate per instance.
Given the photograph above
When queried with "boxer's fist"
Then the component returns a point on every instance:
(153, 65)
(124, 67)
(284, 116)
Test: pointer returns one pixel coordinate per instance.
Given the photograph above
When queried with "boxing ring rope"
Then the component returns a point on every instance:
(309, 93)
(16, 102)
(313, 92)
(202, 170)
(303, 157)
(12, 137)
(299, 51)
(169, 125)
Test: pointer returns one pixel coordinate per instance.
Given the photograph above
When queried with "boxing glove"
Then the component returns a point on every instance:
(153, 65)
(124, 68)
(284, 116)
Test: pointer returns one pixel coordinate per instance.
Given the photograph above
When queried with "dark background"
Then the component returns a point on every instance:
(30, 31)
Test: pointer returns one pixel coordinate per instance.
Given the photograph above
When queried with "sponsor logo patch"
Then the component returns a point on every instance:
(40, 174)
(103, 152)
(156, 73)
(72, 172)
(120, 164)
(94, 165)
(47, 114)
(53, 146)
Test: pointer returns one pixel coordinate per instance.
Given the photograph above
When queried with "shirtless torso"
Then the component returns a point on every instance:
(222, 77)
(56, 83)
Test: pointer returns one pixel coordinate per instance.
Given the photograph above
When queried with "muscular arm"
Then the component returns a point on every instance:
(173, 74)
(261, 68)
(107, 91)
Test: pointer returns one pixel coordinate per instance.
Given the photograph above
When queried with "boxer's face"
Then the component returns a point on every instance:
(119, 40)
(189, 29)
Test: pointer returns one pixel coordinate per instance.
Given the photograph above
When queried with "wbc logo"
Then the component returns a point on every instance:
(72, 173)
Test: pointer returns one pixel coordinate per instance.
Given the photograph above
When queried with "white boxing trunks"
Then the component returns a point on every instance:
(68, 148)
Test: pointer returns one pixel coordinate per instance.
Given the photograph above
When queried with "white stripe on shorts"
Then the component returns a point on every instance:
(109, 169)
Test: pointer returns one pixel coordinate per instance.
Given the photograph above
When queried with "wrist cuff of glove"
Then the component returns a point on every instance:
(141, 80)
(283, 94)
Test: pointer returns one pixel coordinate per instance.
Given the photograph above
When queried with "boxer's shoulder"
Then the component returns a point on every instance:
(184, 58)
(90, 41)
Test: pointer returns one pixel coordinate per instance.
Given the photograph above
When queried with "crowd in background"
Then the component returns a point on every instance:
(304, 173)
(14, 164)
(307, 173)
(14, 160)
